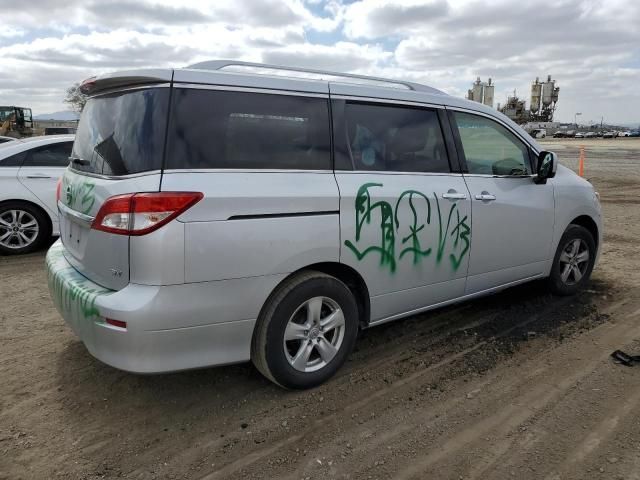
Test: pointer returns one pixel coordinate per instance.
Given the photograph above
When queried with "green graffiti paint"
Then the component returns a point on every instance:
(73, 294)
(78, 195)
(405, 217)
(364, 208)
(415, 226)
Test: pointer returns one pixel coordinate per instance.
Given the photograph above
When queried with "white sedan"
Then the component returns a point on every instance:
(29, 172)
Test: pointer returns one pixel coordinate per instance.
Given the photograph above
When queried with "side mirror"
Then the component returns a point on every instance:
(547, 166)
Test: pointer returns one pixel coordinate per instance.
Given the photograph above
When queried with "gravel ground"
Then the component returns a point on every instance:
(518, 384)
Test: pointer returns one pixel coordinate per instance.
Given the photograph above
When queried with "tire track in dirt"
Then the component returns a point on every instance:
(521, 407)
(369, 401)
(501, 423)
(596, 437)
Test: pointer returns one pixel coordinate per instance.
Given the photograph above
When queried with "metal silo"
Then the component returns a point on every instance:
(477, 90)
(536, 93)
(548, 92)
(488, 94)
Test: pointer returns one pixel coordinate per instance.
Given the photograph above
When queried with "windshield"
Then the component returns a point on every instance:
(122, 133)
(6, 112)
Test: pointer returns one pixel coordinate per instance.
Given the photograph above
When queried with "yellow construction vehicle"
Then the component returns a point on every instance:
(16, 122)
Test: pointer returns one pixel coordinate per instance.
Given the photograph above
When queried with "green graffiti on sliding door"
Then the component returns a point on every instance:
(412, 216)
(364, 208)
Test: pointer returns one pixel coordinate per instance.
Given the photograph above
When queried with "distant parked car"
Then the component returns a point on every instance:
(559, 134)
(608, 135)
(6, 139)
(623, 134)
(634, 133)
(29, 170)
(538, 133)
(579, 135)
(590, 135)
(570, 134)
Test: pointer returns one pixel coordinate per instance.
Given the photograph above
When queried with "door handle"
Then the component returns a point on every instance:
(454, 196)
(38, 175)
(486, 197)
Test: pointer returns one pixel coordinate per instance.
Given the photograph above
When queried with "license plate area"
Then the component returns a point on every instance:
(73, 235)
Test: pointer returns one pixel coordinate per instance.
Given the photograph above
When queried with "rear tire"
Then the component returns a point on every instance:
(573, 261)
(306, 330)
(23, 228)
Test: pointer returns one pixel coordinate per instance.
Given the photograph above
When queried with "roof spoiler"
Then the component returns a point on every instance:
(127, 78)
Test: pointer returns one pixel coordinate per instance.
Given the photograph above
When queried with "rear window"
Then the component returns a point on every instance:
(122, 133)
(217, 129)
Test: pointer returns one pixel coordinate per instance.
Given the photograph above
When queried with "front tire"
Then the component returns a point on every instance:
(23, 228)
(573, 261)
(305, 331)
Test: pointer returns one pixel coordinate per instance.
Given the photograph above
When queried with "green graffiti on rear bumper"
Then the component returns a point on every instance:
(72, 293)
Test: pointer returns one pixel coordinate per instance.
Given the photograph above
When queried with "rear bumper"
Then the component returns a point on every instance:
(169, 328)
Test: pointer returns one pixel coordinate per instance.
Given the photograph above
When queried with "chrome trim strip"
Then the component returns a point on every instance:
(78, 217)
(385, 172)
(392, 101)
(233, 88)
(241, 170)
(275, 170)
(114, 177)
(486, 175)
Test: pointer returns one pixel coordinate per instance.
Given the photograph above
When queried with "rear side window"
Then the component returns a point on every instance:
(54, 155)
(14, 160)
(393, 138)
(489, 148)
(122, 133)
(217, 129)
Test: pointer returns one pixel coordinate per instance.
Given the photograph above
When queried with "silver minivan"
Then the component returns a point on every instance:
(228, 212)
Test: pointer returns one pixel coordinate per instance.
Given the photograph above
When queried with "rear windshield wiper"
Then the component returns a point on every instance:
(79, 161)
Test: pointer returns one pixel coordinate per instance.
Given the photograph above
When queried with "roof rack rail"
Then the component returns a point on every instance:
(220, 64)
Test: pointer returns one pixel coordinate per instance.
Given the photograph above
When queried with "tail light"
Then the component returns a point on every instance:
(141, 213)
(58, 188)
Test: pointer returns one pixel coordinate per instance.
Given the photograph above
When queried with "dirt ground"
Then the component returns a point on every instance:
(516, 385)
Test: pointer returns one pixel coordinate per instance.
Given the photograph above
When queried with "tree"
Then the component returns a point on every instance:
(75, 98)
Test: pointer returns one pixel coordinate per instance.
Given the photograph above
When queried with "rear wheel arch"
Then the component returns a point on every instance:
(352, 279)
(347, 275)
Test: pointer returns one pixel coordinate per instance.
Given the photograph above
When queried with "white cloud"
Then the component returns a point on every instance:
(591, 47)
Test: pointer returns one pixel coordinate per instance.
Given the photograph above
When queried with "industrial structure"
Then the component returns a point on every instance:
(544, 96)
(482, 92)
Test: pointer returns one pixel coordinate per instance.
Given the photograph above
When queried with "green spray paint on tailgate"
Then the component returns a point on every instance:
(72, 293)
(78, 194)
(455, 234)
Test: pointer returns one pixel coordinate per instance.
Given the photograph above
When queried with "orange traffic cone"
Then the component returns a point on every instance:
(581, 162)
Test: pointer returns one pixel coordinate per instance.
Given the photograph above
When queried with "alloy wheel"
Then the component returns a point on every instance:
(314, 334)
(18, 229)
(574, 261)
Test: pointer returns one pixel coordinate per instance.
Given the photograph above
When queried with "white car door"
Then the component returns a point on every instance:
(512, 216)
(404, 217)
(41, 169)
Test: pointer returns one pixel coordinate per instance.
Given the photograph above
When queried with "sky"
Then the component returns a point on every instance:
(592, 48)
